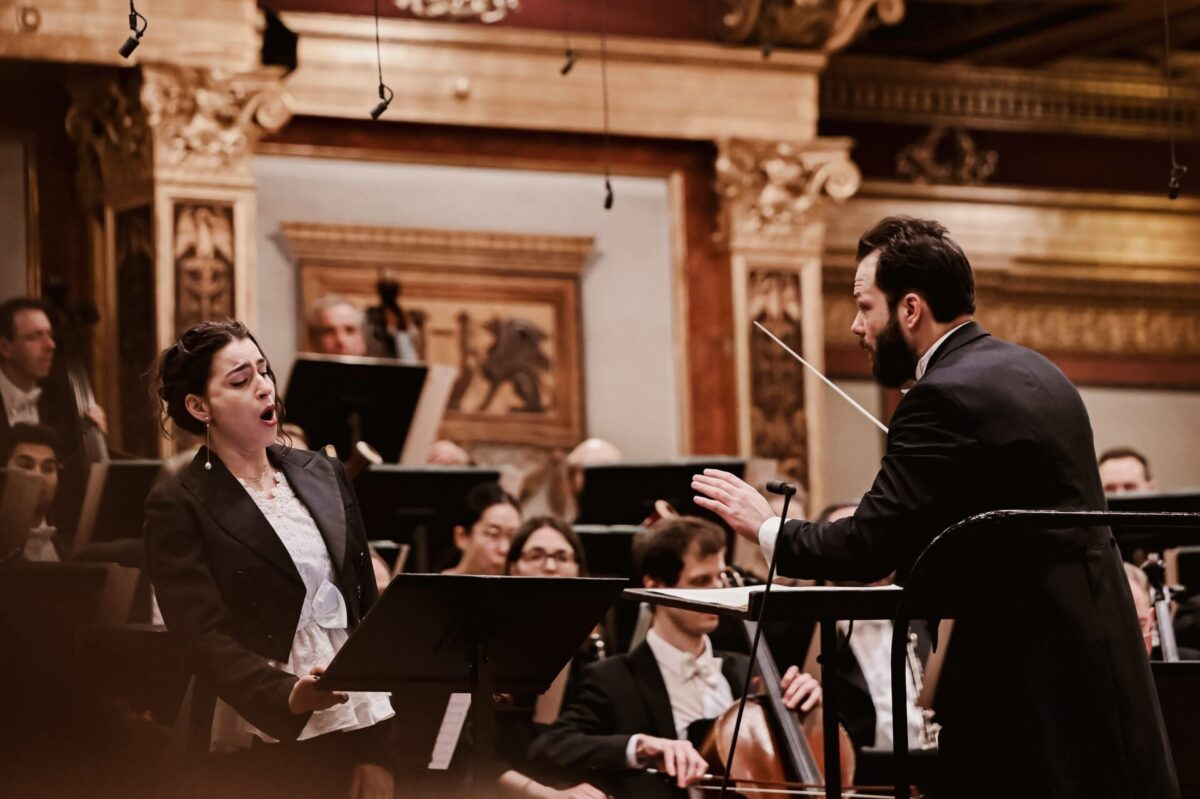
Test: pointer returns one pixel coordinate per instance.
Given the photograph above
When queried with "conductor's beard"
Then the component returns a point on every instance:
(893, 361)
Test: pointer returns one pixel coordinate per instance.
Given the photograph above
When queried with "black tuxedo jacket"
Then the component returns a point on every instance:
(227, 587)
(1046, 681)
(618, 697)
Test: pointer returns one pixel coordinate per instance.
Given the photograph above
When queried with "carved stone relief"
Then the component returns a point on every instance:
(778, 420)
(203, 238)
(136, 345)
(825, 25)
(770, 189)
(946, 156)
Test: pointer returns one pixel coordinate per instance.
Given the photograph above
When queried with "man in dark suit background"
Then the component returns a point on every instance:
(1046, 683)
(648, 707)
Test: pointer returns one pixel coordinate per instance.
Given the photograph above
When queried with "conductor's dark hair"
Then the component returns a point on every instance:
(25, 433)
(186, 366)
(9, 310)
(1125, 452)
(658, 552)
(479, 499)
(918, 255)
(531, 526)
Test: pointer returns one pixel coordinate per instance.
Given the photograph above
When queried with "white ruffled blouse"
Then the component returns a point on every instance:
(319, 634)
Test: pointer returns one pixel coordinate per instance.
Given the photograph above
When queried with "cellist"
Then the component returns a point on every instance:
(648, 708)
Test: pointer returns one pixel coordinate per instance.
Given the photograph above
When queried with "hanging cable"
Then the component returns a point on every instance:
(385, 93)
(608, 190)
(1178, 170)
(568, 51)
(135, 39)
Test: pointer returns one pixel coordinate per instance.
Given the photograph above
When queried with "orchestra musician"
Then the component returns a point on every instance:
(1048, 692)
(648, 708)
(260, 563)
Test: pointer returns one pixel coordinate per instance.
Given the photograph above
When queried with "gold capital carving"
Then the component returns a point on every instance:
(825, 25)
(206, 123)
(770, 190)
(171, 123)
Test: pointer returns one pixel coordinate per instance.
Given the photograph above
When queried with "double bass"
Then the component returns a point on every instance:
(93, 444)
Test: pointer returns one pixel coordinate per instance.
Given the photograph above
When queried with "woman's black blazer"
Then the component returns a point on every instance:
(227, 587)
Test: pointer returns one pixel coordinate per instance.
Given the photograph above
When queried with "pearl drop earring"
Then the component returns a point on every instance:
(207, 448)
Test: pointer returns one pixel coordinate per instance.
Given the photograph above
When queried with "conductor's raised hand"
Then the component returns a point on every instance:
(734, 500)
(306, 697)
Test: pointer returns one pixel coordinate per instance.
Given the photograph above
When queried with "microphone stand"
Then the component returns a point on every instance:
(787, 491)
(1156, 573)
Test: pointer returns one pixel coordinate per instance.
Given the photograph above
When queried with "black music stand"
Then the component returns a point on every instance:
(1153, 538)
(343, 399)
(471, 633)
(625, 493)
(114, 505)
(417, 505)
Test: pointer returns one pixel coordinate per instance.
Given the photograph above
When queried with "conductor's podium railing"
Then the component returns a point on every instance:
(1032, 530)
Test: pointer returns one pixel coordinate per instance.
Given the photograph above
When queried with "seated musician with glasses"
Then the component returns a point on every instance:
(34, 448)
(633, 712)
(545, 546)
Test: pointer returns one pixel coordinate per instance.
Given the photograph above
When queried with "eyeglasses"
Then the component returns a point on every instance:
(536, 557)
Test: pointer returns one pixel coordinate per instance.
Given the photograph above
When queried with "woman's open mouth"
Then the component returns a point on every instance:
(268, 416)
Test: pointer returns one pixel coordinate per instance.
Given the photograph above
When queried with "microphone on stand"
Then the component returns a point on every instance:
(782, 488)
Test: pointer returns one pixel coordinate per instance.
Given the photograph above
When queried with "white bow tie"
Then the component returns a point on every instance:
(706, 667)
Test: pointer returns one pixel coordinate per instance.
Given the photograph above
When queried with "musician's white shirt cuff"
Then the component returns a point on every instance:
(767, 534)
(631, 752)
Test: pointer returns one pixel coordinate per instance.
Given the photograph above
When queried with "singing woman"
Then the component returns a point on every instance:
(260, 565)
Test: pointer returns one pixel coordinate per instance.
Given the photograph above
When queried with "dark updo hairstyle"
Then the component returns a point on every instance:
(479, 499)
(536, 523)
(186, 366)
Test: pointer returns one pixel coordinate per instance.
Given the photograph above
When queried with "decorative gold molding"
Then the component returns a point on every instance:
(1089, 101)
(485, 11)
(926, 159)
(658, 88)
(462, 250)
(1065, 272)
(214, 34)
(771, 190)
(823, 25)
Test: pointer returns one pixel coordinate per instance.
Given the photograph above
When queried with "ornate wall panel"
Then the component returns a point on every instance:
(503, 309)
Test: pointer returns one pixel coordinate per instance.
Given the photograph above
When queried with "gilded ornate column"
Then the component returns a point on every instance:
(773, 213)
(165, 169)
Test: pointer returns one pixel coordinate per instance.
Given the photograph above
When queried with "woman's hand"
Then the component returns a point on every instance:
(306, 697)
(370, 781)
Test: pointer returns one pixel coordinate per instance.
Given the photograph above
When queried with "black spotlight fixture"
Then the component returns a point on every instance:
(135, 39)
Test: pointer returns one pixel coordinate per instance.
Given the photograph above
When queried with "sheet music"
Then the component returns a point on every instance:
(739, 598)
(448, 734)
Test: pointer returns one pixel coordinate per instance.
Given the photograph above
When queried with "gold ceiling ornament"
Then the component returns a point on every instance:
(485, 11)
(771, 188)
(946, 156)
(824, 25)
